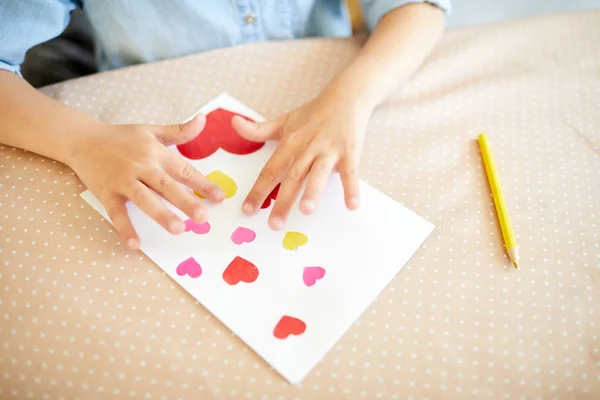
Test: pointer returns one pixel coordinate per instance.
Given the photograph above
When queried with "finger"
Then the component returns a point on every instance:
(179, 133)
(257, 131)
(186, 174)
(267, 180)
(349, 175)
(290, 188)
(117, 212)
(169, 189)
(141, 195)
(316, 181)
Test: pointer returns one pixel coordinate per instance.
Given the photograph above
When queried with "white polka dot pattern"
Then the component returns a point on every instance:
(83, 318)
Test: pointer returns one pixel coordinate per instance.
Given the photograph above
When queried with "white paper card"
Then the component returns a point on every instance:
(359, 253)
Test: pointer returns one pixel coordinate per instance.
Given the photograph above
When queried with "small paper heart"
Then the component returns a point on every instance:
(189, 267)
(243, 235)
(289, 326)
(311, 275)
(240, 270)
(272, 196)
(199, 229)
(223, 181)
(293, 240)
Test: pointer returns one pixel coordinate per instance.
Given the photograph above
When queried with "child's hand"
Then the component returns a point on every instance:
(127, 162)
(316, 139)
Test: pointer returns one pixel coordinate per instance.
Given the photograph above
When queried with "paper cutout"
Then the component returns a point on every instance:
(218, 133)
(289, 326)
(311, 275)
(270, 197)
(240, 270)
(189, 267)
(293, 240)
(243, 235)
(198, 229)
(223, 181)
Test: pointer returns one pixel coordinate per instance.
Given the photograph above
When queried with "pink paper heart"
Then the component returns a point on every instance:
(189, 267)
(311, 275)
(243, 235)
(199, 229)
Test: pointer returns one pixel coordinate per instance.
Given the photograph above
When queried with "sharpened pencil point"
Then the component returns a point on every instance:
(516, 265)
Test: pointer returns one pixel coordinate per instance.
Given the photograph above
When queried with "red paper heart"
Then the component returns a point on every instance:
(271, 196)
(289, 326)
(218, 133)
(240, 270)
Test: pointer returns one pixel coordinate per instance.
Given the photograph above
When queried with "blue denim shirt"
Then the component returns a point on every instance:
(137, 31)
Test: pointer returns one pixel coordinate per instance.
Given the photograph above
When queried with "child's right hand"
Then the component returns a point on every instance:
(126, 162)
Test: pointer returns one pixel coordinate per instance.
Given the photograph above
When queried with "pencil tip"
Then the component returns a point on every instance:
(516, 265)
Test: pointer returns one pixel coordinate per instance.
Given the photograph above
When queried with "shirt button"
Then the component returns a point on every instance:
(250, 19)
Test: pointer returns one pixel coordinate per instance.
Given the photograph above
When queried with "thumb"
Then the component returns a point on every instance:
(180, 133)
(257, 131)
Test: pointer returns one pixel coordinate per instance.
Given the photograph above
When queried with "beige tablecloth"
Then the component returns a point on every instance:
(81, 317)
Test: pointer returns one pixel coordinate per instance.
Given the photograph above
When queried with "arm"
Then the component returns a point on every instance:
(35, 122)
(327, 134)
(398, 46)
(29, 119)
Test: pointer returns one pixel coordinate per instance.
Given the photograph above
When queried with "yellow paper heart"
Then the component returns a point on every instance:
(223, 181)
(293, 240)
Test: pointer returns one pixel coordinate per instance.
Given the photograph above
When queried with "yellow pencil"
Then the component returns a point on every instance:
(492, 174)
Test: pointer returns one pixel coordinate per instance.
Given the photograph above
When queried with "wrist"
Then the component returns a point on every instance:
(82, 138)
(353, 91)
(356, 84)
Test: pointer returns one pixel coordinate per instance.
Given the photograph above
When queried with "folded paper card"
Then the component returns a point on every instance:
(289, 295)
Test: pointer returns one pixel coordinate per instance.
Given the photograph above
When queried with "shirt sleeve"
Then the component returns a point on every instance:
(26, 23)
(374, 10)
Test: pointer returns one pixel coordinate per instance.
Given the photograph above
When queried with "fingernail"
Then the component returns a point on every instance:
(247, 208)
(218, 193)
(353, 203)
(308, 205)
(176, 227)
(133, 244)
(277, 223)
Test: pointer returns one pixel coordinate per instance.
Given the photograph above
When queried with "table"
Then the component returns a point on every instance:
(84, 318)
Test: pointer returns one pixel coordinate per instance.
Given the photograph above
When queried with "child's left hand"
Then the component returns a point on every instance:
(316, 139)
